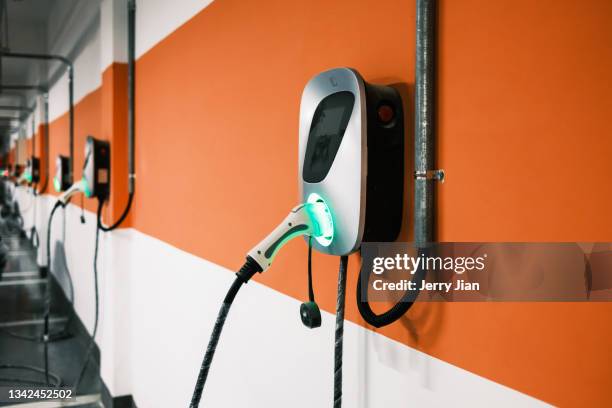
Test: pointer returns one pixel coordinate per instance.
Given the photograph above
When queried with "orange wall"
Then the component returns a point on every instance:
(101, 114)
(217, 119)
(114, 129)
(525, 106)
(523, 135)
(87, 121)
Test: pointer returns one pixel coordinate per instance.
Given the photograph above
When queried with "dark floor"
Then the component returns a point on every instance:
(22, 301)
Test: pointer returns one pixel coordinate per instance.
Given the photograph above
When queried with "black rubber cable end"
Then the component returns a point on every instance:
(310, 315)
(250, 268)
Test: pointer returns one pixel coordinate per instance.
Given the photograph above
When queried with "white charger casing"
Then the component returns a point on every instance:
(341, 182)
(351, 156)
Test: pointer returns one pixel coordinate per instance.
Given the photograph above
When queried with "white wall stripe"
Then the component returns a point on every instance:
(87, 78)
(158, 307)
(156, 19)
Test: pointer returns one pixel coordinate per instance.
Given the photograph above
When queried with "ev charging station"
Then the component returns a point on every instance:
(351, 176)
(351, 156)
(95, 181)
(351, 166)
(61, 181)
(32, 171)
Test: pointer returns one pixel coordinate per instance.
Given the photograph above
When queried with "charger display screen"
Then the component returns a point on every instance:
(329, 123)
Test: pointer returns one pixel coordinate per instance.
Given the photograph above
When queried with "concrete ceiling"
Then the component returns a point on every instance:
(38, 27)
(36, 11)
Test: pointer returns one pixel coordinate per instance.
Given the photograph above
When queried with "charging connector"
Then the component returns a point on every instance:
(80, 186)
(311, 219)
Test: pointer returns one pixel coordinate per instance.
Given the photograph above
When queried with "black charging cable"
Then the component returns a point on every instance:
(397, 311)
(92, 339)
(47, 296)
(34, 238)
(123, 216)
(250, 268)
(99, 227)
(311, 318)
(82, 209)
(339, 332)
(64, 332)
(14, 219)
(57, 381)
(311, 295)
(309, 311)
(47, 313)
(131, 39)
(243, 276)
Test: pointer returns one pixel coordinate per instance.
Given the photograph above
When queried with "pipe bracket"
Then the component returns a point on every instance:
(436, 175)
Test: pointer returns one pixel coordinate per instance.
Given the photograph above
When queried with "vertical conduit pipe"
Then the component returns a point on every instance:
(131, 40)
(131, 92)
(71, 119)
(424, 121)
(33, 134)
(46, 142)
(423, 158)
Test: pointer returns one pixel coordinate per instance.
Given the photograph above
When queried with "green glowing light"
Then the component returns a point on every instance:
(28, 177)
(86, 189)
(322, 217)
(56, 184)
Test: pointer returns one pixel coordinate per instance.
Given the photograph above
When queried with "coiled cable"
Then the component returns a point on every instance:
(122, 217)
(393, 314)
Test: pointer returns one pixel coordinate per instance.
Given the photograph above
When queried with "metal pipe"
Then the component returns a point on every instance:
(38, 88)
(17, 149)
(16, 108)
(71, 119)
(19, 118)
(46, 57)
(424, 122)
(70, 68)
(131, 93)
(131, 4)
(23, 101)
(43, 188)
(33, 136)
